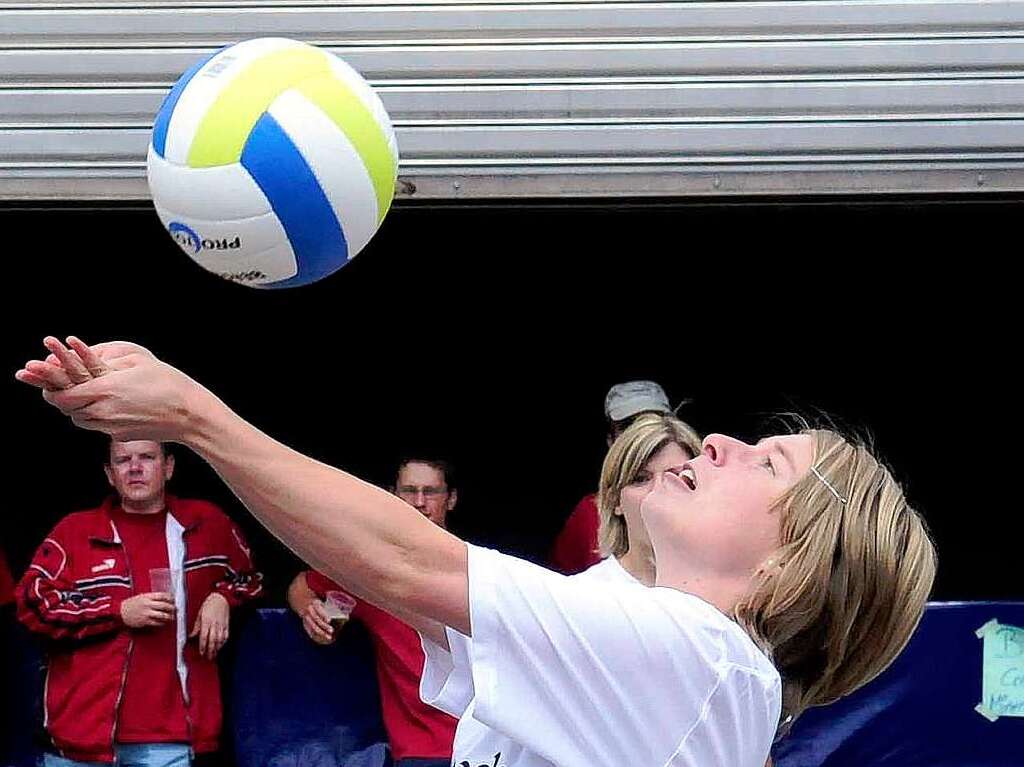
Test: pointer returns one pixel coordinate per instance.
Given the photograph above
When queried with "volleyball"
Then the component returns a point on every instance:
(272, 163)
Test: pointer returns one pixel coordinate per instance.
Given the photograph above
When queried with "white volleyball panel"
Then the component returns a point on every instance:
(225, 192)
(254, 250)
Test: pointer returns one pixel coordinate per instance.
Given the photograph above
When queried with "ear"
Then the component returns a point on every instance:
(168, 468)
(453, 498)
(110, 473)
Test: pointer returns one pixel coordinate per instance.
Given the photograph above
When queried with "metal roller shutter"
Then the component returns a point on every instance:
(564, 99)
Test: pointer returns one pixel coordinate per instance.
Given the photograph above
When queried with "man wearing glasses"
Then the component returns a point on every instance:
(418, 735)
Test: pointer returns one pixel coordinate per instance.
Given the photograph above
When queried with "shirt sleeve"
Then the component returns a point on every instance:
(51, 603)
(447, 681)
(241, 582)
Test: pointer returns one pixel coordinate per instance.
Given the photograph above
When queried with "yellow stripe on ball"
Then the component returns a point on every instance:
(352, 117)
(226, 126)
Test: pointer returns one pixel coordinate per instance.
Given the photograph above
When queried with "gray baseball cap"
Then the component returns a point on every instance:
(627, 399)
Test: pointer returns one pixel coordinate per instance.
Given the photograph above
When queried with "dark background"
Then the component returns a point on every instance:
(490, 333)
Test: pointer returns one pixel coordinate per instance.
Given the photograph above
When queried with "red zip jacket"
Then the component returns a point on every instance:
(72, 594)
(6, 583)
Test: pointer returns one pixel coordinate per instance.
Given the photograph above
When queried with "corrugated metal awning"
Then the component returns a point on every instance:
(532, 99)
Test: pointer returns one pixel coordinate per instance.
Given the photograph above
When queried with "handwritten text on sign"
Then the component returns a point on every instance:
(1002, 671)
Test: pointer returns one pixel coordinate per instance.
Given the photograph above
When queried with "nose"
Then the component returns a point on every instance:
(720, 448)
(419, 500)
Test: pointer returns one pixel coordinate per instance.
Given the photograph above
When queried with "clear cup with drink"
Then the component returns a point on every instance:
(338, 605)
(160, 581)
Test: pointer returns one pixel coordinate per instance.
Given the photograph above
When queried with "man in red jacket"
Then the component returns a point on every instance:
(135, 598)
(419, 735)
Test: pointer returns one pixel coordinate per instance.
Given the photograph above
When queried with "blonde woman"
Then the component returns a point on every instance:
(654, 443)
(790, 572)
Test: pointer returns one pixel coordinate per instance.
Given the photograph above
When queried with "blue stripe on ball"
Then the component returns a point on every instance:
(163, 117)
(280, 170)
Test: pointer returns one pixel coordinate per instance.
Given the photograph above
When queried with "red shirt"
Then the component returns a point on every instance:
(152, 708)
(575, 548)
(6, 582)
(414, 728)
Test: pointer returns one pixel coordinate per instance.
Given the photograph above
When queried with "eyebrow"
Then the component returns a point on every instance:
(782, 451)
(787, 456)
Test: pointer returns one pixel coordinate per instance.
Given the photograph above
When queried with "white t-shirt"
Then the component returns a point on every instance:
(596, 670)
(608, 570)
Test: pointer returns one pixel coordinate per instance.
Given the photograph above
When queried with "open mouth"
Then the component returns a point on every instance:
(687, 474)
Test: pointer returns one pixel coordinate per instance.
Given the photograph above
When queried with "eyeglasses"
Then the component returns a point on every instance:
(429, 491)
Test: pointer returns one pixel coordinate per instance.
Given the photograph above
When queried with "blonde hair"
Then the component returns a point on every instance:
(841, 597)
(626, 458)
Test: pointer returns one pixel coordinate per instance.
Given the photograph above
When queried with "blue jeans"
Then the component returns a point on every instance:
(134, 755)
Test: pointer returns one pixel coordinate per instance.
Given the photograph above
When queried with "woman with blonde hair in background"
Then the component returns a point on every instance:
(652, 444)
